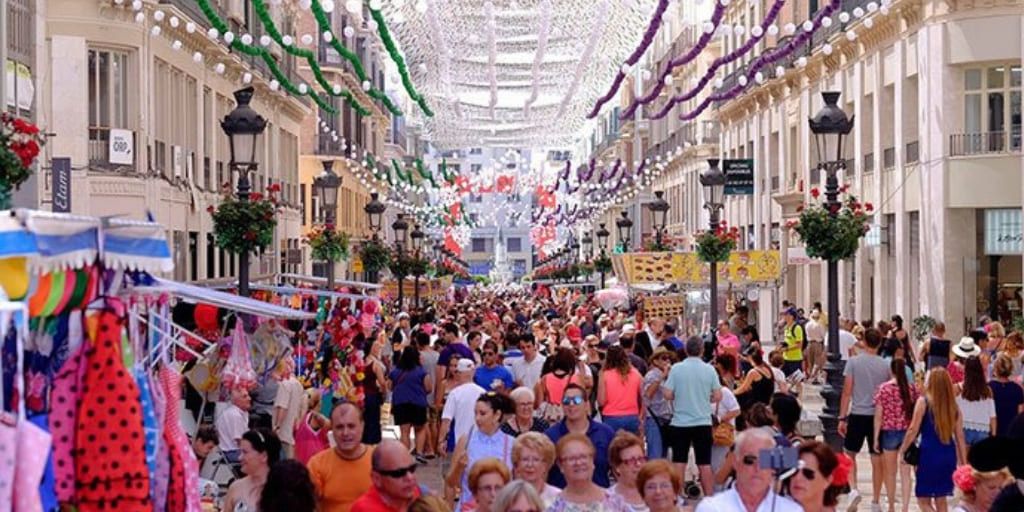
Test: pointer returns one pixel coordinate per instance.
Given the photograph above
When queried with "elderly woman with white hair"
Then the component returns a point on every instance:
(523, 420)
(518, 496)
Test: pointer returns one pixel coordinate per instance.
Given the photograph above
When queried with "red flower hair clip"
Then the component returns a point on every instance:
(963, 477)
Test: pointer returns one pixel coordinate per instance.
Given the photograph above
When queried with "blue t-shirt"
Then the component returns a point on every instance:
(459, 350)
(1008, 396)
(488, 378)
(692, 381)
(409, 386)
(675, 342)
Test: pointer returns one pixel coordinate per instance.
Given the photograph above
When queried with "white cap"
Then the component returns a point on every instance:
(627, 329)
(465, 365)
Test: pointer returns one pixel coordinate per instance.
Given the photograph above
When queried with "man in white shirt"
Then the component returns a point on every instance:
(847, 342)
(461, 403)
(814, 356)
(287, 405)
(752, 491)
(526, 370)
(234, 420)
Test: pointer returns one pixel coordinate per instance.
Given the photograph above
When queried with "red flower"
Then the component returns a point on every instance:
(22, 126)
(800, 208)
(255, 196)
(211, 209)
(275, 187)
(844, 188)
(815, 192)
(249, 235)
(869, 207)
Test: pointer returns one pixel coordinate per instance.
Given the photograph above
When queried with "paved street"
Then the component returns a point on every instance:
(431, 476)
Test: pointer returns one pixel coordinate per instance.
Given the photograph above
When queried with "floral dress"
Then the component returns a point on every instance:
(611, 503)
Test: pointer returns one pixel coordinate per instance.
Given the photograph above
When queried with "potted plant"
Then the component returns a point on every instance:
(375, 255)
(20, 141)
(245, 226)
(832, 235)
(715, 245)
(327, 243)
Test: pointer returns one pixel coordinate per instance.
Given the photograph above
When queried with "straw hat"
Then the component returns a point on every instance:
(967, 348)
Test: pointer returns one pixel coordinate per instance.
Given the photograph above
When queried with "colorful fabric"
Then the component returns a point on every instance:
(178, 442)
(888, 398)
(63, 418)
(149, 425)
(32, 452)
(8, 454)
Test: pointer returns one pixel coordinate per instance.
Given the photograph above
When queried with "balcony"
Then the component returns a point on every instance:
(21, 31)
(326, 145)
(985, 143)
(100, 155)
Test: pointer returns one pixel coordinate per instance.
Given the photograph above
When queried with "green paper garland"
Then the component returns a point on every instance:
(389, 44)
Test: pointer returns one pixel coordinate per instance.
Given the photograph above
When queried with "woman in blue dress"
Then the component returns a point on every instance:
(937, 420)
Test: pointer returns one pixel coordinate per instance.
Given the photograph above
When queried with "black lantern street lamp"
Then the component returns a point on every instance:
(659, 215)
(830, 127)
(400, 226)
(327, 185)
(417, 236)
(243, 127)
(625, 226)
(713, 181)
(602, 241)
(588, 245)
(375, 213)
(437, 251)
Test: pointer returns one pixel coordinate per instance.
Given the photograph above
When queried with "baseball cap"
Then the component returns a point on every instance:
(627, 330)
(791, 311)
(402, 315)
(465, 365)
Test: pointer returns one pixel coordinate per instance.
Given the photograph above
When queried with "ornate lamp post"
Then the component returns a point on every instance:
(659, 215)
(400, 226)
(417, 237)
(625, 226)
(830, 127)
(243, 127)
(375, 216)
(713, 181)
(327, 185)
(588, 245)
(602, 240)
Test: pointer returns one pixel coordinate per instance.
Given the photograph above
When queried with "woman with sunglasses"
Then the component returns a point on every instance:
(817, 483)
(533, 454)
(486, 477)
(258, 450)
(626, 455)
(518, 496)
(485, 439)
(576, 460)
(660, 485)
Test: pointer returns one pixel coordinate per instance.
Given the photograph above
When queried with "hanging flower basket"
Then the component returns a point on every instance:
(375, 255)
(603, 264)
(327, 243)
(828, 237)
(654, 246)
(20, 142)
(244, 227)
(402, 265)
(715, 246)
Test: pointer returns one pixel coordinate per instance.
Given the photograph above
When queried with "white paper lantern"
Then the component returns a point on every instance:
(808, 26)
(176, 45)
(220, 68)
(275, 85)
(742, 80)
(197, 57)
(826, 49)
(287, 40)
(190, 27)
(247, 39)
(246, 77)
(826, 22)
(757, 31)
(349, 32)
(353, 6)
(158, 16)
(155, 31)
(789, 29)
(708, 27)
(306, 39)
(140, 17)
(851, 35)
(174, 21)
(229, 37)
(303, 88)
(265, 40)
(773, 30)
(869, 22)
(328, 36)
(844, 17)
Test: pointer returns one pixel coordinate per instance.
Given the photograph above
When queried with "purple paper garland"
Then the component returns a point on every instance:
(719, 62)
(769, 57)
(652, 30)
(705, 38)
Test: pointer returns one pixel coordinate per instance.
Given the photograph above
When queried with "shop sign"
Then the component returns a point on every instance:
(60, 189)
(798, 256)
(122, 144)
(356, 264)
(739, 177)
(1004, 232)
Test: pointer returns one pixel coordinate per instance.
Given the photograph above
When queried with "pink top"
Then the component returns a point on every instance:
(729, 343)
(556, 385)
(956, 372)
(888, 398)
(622, 395)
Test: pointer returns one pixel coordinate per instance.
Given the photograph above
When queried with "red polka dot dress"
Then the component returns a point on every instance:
(110, 451)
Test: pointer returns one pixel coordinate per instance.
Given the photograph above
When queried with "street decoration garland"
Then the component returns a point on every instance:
(242, 227)
(375, 255)
(327, 243)
(20, 141)
(715, 245)
(403, 71)
(832, 237)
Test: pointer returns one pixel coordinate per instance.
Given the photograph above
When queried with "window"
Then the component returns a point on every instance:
(108, 99)
(475, 168)
(479, 244)
(515, 244)
(992, 111)
(476, 151)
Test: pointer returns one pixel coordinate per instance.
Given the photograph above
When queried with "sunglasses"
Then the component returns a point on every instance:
(808, 473)
(488, 354)
(749, 460)
(399, 472)
(572, 400)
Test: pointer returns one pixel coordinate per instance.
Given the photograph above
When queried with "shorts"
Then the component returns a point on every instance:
(860, 428)
(409, 414)
(891, 440)
(972, 436)
(790, 367)
(682, 438)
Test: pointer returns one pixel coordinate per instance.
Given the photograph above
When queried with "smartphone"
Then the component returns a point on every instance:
(780, 458)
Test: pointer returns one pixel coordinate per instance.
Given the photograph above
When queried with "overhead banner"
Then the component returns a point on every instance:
(664, 306)
(685, 268)
(739, 177)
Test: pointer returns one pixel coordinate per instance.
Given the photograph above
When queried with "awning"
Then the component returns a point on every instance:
(223, 300)
(323, 281)
(311, 291)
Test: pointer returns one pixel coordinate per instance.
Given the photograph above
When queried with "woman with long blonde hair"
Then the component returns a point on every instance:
(937, 419)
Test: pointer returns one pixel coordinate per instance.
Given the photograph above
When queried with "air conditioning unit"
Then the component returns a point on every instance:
(176, 163)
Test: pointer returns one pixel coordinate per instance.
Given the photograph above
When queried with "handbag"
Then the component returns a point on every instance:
(722, 432)
(912, 455)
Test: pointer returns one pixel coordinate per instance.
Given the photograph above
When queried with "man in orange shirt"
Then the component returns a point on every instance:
(394, 480)
(342, 474)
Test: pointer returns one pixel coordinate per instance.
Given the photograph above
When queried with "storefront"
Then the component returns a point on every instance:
(999, 281)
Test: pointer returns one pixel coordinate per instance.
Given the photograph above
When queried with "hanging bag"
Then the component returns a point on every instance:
(722, 432)
(238, 372)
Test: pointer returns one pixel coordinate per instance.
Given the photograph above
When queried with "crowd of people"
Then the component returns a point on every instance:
(528, 401)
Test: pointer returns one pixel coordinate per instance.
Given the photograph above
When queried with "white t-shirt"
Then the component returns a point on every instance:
(978, 413)
(289, 397)
(730, 500)
(815, 331)
(460, 407)
(780, 377)
(727, 404)
(527, 373)
(846, 342)
(231, 425)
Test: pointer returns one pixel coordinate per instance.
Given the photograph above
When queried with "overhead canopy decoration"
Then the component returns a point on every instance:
(514, 73)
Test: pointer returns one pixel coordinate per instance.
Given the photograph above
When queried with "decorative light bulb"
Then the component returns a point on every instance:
(220, 68)
(421, 6)
(306, 39)
(756, 31)
(174, 21)
(305, 5)
(739, 30)
(158, 16)
(327, 6)
(353, 6)
(372, 25)
(759, 77)
(176, 45)
(247, 39)
(190, 27)
(718, 83)
(136, 5)
(708, 27)
(336, 89)
(287, 40)
(872, 6)
(883, 10)
(155, 31)
(742, 80)
(826, 49)
(725, 30)
(246, 77)
(140, 17)
(844, 17)
(808, 26)
(349, 32)
(328, 36)
(668, 79)
(851, 35)
(229, 37)
(773, 30)
(789, 29)
(366, 85)
(376, 5)
(826, 22)
(869, 22)
(197, 57)
(858, 12)
(275, 85)
(625, 69)
(303, 88)
(801, 62)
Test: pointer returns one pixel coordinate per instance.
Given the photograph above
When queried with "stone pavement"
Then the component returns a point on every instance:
(431, 475)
